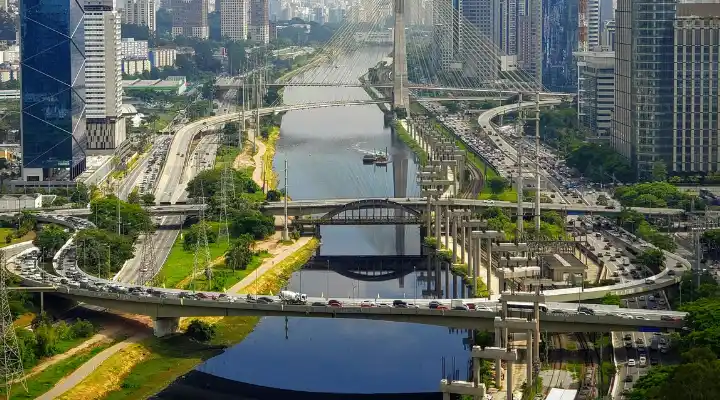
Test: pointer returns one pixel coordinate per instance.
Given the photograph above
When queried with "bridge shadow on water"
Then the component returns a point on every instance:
(369, 268)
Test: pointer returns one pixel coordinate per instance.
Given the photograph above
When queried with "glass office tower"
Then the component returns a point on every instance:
(52, 63)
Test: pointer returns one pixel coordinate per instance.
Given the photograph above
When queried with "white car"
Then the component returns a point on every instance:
(631, 362)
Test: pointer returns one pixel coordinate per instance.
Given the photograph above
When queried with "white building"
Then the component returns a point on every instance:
(160, 58)
(596, 90)
(140, 12)
(234, 18)
(103, 76)
(132, 48)
(132, 66)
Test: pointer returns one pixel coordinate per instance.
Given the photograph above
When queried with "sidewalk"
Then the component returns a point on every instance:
(279, 254)
(86, 369)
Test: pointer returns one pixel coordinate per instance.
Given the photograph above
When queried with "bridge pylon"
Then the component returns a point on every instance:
(401, 92)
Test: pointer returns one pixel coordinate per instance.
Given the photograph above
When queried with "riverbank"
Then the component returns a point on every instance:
(142, 369)
(411, 143)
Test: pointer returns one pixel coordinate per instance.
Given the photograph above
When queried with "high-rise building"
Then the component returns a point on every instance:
(259, 22)
(52, 58)
(609, 35)
(596, 91)
(103, 77)
(139, 12)
(190, 18)
(131, 48)
(593, 19)
(560, 41)
(234, 19)
(695, 111)
(643, 119)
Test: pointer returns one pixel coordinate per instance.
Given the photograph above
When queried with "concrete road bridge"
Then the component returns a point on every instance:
(332, 207)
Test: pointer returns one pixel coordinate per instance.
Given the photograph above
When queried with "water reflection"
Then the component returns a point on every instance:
(345, 356)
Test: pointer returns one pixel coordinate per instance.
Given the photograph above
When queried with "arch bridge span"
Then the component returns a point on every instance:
(366, 212)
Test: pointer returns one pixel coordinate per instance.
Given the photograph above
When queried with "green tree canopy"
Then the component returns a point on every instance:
(200, 331)
(102, 252)
(498, 184)
(50, 239)
(133, 219)
(240, 253)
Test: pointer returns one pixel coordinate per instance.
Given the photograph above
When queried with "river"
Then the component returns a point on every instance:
(324, 149)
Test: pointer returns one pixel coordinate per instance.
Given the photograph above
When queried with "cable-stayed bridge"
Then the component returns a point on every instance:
(448, 55)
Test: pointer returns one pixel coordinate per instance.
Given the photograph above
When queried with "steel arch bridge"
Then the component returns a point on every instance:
(367, 212)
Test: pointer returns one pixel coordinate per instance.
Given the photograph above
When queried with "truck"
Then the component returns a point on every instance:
(289, 297)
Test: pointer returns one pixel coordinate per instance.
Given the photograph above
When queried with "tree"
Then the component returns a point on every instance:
(134, 196)
(240, 253)
(133, 219)
(652, 258)
(193, 235)
(611, 300)
(102, 252)
(50, 239)
(200, 331)
(148, 199)
(81, 194)
(252, 222)
(273, 195)
(497, 184)
(659, 171)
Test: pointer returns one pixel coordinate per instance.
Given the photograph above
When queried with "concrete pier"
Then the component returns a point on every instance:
(164, 326)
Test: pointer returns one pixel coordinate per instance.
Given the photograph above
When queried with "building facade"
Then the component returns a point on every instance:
(695, 119)
(103, 77)
(643, 118)
(140, 12)
(161, 58)
(596, 91)
(52, 125)
(259, 22)
(234, 19)
(190, 18)
(560, 41)
(131, 48)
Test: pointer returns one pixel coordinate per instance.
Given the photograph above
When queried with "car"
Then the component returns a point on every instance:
(642, 361)
(631, 362)
(266, 299)
(434, 304)
(367, 304)
(334, 303)
(628, 378)
(318, 304)
(399, 304)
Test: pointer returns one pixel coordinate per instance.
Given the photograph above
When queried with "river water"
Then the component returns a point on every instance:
(324, 149)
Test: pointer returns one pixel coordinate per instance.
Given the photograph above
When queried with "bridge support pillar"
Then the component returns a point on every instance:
(454, 231)
(437, 225)
(447, 226)
(401, 93)
(163, 326)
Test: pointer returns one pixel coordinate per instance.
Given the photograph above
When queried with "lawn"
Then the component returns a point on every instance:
(226, 156)
(224, 278)
(50, 376)
(179, 264)
(508, 195)
(4, 232)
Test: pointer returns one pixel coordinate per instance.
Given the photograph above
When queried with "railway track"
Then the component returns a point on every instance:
(588, 374)
(475, 184)
(556, 343)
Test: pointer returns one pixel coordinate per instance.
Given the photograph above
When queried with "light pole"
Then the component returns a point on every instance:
(327, 277)
(415, 296)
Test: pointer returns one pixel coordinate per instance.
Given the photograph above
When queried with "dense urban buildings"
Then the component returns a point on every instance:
(53, 136)
(103, 77)
(131, 48)
(695, 122)
(140, 12)
(560, 40)
(190, 18)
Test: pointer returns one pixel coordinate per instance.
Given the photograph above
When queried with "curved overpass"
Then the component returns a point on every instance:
(168, 188)
(485, 119)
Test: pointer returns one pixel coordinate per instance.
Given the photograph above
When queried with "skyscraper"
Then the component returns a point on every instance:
(695, 123)
(103, 76)
(643, 119)
(234, 19)
(52, 64)
(190, 18)
(259, 23)
(139, 12)
(560, 40)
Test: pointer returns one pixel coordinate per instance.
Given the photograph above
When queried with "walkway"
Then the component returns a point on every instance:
(257, 158)
(86, 369)
(278, 254)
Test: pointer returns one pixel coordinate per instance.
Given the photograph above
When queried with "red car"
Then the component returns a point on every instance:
(442, 307)
(334, 303)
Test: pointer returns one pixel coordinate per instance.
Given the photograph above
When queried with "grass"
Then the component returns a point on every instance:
(179, 264)
(4, 232)
(508, 195)
(143, 369)
(224, 278)
(270, 176)
(226, 156)
(408, 140)
(50, 376)
(274, 280)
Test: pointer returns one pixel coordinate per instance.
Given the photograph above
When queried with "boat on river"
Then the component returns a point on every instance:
(369, 159)
(381, 159)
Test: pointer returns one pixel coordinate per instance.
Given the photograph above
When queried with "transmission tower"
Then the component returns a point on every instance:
(227, 194)
(202, 258)
(11, 362)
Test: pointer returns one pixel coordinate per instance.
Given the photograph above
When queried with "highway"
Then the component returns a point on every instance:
(176, 158)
